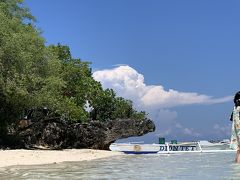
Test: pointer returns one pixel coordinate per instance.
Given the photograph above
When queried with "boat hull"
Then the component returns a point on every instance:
(129, 148)
(168, 148)
(135, 148)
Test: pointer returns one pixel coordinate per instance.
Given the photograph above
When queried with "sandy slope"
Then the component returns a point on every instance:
(32, 157)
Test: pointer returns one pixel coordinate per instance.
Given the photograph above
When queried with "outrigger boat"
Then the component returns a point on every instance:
(132, 148)
(221, 145)
(167, 148)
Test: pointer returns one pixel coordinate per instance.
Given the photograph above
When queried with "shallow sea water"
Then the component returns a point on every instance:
(175, 166)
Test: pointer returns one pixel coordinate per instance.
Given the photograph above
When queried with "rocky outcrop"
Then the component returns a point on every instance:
(55, 134)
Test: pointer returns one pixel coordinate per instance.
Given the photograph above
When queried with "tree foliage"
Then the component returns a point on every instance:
(23, 61)
(33, 75)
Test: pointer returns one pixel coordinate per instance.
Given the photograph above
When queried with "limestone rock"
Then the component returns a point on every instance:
(55, 134)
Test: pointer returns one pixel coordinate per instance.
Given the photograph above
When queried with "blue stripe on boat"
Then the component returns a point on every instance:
(140, 152)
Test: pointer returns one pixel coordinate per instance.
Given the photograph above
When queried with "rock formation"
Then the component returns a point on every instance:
(56, 134)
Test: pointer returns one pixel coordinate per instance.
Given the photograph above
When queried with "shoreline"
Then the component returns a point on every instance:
(41, 157)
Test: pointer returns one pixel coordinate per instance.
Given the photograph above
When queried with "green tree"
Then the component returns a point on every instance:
(81, 89)
(29, 72)
(34, 76)
(15, 8)
(21, 58)
(124, 109)
(103, 105)
(77, 77)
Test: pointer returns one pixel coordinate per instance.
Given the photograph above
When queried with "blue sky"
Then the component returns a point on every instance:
(188, 46)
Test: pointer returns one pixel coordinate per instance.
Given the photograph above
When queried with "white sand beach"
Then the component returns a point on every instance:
(36, 157)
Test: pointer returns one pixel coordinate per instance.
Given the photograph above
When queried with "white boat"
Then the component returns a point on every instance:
(221, 145)
(198, 148)
(132, 148)
(138, 148)
(168, 148)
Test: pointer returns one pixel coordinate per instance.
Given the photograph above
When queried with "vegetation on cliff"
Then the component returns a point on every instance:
(33, 75)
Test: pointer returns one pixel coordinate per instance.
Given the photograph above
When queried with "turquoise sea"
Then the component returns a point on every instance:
(175, 166)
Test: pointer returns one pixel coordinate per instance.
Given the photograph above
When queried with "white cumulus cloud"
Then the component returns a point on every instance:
(154, 99)
(127, 82)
